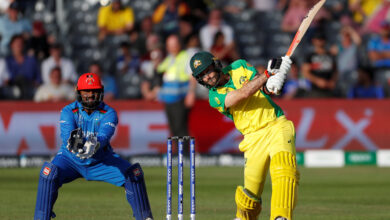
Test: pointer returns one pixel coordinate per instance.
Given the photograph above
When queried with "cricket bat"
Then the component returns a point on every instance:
(304, 26)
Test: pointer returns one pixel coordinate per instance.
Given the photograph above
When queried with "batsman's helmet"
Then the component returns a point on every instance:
(90, 81)
(200, 62)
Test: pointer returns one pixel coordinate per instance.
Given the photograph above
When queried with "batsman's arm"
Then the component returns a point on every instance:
(234, 97)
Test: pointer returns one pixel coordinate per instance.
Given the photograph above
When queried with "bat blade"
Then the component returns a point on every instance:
(304, 26)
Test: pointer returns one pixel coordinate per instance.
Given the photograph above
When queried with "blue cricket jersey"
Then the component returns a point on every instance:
(101, 123)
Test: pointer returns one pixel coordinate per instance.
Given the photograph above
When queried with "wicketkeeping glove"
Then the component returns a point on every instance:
(75, 140)
(89, 149)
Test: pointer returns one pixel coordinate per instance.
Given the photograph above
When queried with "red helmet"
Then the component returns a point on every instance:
(89, 81)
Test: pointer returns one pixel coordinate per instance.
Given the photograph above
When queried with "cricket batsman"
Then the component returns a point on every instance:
(87, 126)
(242, 94)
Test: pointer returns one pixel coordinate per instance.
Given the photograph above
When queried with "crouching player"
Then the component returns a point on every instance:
(86, 128)
(242, 94)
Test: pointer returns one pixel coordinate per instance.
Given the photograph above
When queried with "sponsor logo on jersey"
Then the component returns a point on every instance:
(243, 80)
(217, 101)
(110, 124)
(46, 171)
(197, 63)
(137, 172)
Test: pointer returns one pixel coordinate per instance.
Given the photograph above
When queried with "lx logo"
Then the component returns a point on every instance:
(308, 115)
(355, 131)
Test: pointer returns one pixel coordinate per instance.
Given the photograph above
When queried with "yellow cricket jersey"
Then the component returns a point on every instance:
(250, 114)
(159, 12)
(368, 7)
(115, 20)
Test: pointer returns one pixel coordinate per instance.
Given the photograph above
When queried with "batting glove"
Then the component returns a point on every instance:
(277, 65)
(89, 149)
(273, 67)
(275, 83)
(285, 65)
(279, 68)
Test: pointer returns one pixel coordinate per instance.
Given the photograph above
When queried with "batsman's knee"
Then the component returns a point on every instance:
(285, 180)
(248, 206)
(47, 192)
(136, 192)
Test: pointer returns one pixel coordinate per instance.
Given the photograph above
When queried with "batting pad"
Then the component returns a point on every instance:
(248, 207)
(136, 192)
(47, 192)
(285, 178)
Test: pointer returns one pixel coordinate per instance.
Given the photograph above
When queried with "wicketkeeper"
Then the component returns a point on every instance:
(242, 94)
(87, 126)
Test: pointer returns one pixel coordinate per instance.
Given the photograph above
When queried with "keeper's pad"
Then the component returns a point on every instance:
(285, 179)
(136, 193)
(248, 207)
(47, 192)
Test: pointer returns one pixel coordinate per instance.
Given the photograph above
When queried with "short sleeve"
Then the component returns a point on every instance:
(129, 16)
(102, 17)
(217, 101)
(249, 67)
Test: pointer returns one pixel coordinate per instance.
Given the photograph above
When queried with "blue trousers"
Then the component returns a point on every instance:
(112, 169)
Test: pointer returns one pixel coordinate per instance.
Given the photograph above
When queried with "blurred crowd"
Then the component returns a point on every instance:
(146, 52)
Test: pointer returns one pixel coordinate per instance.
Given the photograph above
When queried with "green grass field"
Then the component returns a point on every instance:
(350, 193)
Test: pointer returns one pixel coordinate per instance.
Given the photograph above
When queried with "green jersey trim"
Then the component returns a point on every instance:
(217, 100)
(278, 111)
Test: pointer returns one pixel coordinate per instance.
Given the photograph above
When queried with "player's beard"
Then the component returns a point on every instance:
(91, 102)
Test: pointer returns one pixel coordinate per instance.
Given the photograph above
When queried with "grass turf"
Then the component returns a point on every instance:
(361, 192)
